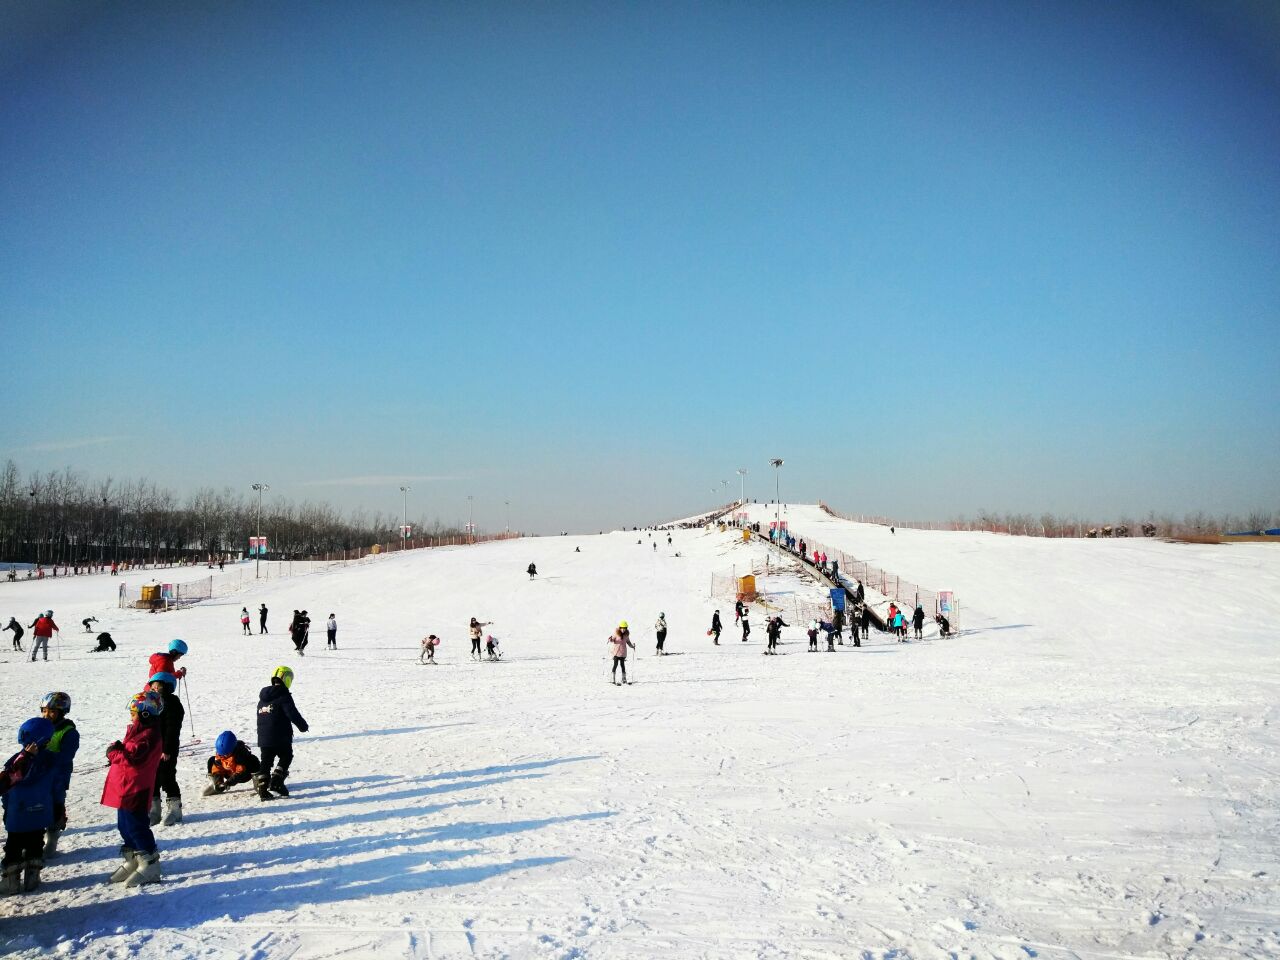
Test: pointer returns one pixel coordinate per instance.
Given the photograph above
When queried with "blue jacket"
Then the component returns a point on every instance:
(277, 716)
(63, 747)
(29, 803)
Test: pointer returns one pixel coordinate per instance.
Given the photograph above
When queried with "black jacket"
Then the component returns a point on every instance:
(277, 716)
(715, 622)
(171, 718)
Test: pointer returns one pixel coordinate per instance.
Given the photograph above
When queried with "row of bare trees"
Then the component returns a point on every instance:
(67, 518)
(1198, 525)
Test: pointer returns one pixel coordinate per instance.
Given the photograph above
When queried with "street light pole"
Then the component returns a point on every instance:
(404, 527)
(257, 554)
(508, 503)
(776, 462)
(471, 513)
(742, 475)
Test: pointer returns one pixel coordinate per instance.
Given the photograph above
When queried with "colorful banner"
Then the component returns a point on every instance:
(946, 600)
(257, 546)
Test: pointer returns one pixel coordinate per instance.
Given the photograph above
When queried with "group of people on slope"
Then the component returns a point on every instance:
(42, 628)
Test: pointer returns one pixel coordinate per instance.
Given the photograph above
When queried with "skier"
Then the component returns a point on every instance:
(746, 624)
(62, 747)
(301, 633)
(715, 627)
(262, 618)
(917, 621)
(492, 648)
(829, 629)
(661, 629)
(944, 626)
(167, 662)
(618, 642)
(105, 644)
(88, 620)
(163, 684)
(533, 571)
(42, 629)
(244, 621)
(277, 716)
(774, 632)
(899, 624)
(429, 644)
(866, 623)
(331, 628)
(477, 631)
(232, 762)
(130, 782)
(28, 787)
(16, 627)
(813, 636)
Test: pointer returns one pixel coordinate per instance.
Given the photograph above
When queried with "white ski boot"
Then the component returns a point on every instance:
(148, 870)
(31, 874)
(11, 880)
(51, 842)
(125, 869)
(215, 786)
(173, 814)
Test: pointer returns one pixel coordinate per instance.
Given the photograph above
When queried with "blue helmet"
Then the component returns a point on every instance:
(178, 646)
(168, 678)
(225, 743)
(36, 730)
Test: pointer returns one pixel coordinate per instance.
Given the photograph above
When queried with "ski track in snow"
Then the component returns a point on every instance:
(1089, 771)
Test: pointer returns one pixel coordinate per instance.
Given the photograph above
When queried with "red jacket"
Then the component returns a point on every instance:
(163, 663)
(44, 627)
(133, 768)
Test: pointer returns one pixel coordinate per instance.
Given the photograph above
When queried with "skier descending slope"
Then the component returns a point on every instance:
(277, 716)
(618, 643)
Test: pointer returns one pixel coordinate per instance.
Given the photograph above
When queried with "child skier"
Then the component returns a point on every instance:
(277, 716)
(163, 684)
(63, 745)
(168, 662)
(232, 762)
(533, 571)
(813, 636)
(492, 649)
(773, 631)
(27, 784)
(244, 621)
(618, 643)
(129, 786)
(429, 644)
(42, 629)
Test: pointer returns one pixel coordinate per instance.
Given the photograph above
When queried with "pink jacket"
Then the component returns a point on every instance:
(618, 644)
(133, 768)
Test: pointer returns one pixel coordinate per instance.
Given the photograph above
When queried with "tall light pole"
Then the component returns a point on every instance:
(776, 463)
(508, 503)
(742, 475)
(257, 554)
(404, 527)
(471, 513)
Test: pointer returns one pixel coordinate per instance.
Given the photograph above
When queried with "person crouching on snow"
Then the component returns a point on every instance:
(491, 648)
(232, 762)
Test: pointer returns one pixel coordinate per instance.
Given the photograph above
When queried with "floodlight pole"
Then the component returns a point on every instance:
(742, 476)
(404, 527)
(508, 503)
(471, 513)
(257, 554)
(776, 463)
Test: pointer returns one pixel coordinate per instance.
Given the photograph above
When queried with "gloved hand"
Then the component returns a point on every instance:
(181, 672)
(115, 745)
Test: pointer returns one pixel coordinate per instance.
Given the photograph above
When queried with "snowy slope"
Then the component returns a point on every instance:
(1089, 771)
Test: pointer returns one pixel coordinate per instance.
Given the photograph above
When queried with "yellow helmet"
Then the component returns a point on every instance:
(623, 626)
(285, 674)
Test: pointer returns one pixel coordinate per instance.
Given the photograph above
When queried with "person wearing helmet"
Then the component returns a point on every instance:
(27, 783)
(661, 629)
(277, 716)
(130, 783)
(476, 630)
(62, 747)
(164, 685)
(618, 642)
(16, 627)
(232, 762)
(167, 662)
(42, 629)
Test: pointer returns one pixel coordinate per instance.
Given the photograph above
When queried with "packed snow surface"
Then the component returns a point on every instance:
(1088, 770)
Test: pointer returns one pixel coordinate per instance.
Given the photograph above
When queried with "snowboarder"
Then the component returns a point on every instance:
(715, 627)
(88, 620)
(746, 624)
(28, 787)
(429, 644)
(232, 762)
(331, 628)
(42, 629)
(105, 644)
(244, 621)
(660, 627)
(533, 571)
(130, 782)
(62, 746)
(277, 716)
(262, 618)
(16, 627)
(477, 632)
(917, 622)
(774, 631)
(618, 642)
(164, 684)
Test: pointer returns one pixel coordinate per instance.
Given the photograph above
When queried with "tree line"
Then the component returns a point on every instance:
(64, 517)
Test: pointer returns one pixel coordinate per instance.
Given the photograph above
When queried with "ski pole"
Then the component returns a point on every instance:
(191, 714)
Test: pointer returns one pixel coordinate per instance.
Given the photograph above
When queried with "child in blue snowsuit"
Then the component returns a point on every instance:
(27, 783)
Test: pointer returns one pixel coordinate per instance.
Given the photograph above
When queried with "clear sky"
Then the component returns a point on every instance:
(594, 257)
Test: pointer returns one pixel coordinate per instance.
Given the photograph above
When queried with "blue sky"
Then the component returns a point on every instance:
(591, 258)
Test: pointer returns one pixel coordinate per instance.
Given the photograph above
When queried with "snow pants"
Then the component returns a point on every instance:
(135, 830)
(167, 779)
(22, 846)
(662, 638)
(35, 648)
(475, 647)
(333, 639)
(281, 759)
(262, 625)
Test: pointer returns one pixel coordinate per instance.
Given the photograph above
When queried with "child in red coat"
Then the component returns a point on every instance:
(130, 782)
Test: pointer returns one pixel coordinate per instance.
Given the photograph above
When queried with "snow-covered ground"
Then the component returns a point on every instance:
(1090, 770)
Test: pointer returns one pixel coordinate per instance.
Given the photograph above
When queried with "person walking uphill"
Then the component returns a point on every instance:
(27, 784)
(277, 716)
(130, 781)
(618, 642)
(62, 747)
(42, 629)
(163, 685)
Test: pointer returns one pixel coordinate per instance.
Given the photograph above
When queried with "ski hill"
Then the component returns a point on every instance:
(1089, 770)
